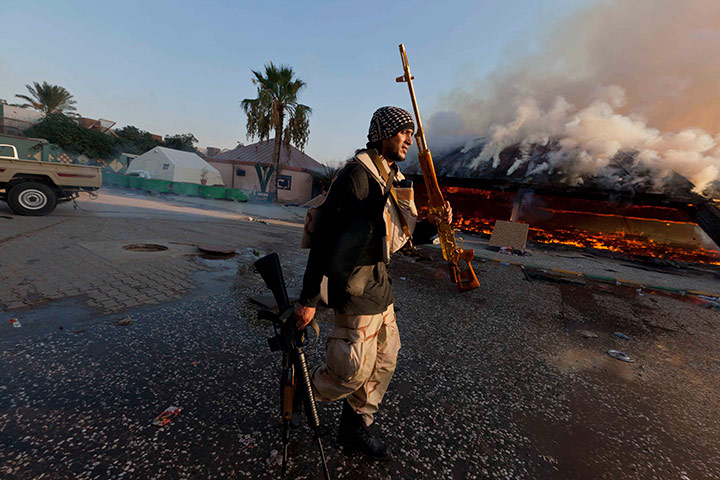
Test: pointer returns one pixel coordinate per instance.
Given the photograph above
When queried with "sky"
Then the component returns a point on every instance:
(169, 67)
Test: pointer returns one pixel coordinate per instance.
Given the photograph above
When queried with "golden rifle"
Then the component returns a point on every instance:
(465, 279)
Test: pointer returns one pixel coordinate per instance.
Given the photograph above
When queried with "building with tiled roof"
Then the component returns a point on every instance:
(250, 168)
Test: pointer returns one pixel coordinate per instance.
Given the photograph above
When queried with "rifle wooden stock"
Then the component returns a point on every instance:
(465, 279)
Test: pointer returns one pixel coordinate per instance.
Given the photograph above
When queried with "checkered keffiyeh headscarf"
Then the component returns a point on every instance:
(387, 122)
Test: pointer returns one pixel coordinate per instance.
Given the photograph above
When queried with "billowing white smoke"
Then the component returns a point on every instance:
(591, 137)
(619, 76)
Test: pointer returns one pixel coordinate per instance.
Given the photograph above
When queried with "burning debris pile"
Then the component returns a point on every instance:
(609, 123)
(631, 229)
(624, 207)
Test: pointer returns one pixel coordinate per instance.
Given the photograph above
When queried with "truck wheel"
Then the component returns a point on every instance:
(32, 198)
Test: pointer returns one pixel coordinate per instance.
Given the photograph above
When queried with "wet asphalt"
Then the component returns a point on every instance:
(492, 383)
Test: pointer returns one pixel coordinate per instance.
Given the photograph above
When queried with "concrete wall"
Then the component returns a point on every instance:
(22, 114)
(226, 172)
(300, 182)
(15, 120)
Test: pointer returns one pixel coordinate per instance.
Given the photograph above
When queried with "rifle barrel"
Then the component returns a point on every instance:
(465, 280)
(420, 135)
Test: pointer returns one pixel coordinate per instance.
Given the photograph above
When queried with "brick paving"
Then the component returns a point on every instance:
(79, 254)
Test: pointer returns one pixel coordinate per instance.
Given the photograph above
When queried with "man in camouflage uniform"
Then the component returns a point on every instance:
(368, 214)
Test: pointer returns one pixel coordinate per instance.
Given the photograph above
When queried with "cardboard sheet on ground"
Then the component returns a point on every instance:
(509, 234)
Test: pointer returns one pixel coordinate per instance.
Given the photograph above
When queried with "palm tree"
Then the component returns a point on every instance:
(49, 99)
(276, 102)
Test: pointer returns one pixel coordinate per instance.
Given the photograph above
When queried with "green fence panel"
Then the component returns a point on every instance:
(208, 191)
(136, 182)
(124, 181)
(109, 178)
(189, 189)
(156, 185)
(235, 194)
(165, 186)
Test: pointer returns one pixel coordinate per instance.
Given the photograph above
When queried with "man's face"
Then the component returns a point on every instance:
(395, 148)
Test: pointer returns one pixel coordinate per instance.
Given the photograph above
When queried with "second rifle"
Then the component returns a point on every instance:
(465, 279)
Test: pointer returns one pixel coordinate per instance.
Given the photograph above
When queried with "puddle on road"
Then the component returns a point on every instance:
(219, 277)
(72, 315)
(68, 315)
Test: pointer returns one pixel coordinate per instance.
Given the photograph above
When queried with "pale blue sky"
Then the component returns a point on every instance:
(170, 67)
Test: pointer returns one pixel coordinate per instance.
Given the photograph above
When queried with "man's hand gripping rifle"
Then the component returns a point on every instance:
(290, 341)
(466, 279)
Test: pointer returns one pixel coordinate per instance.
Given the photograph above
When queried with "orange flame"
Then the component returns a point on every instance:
(465, 200)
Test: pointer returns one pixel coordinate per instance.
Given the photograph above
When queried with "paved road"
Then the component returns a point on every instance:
(493, 383)
(79, 253)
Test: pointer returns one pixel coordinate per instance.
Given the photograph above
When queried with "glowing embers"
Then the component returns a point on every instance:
(636, 230)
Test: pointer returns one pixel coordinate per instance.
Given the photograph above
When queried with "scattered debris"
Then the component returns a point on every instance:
(587, 334)
(403, 278)
(525, 273)
(549, 459)
(639, 292)
(256, 252)
(247, 440)
(15, 323)
(505, 264)
(710, 302)
(621, 335)
(275, 458)
(167, 416)
(125, 321)
(618, 355)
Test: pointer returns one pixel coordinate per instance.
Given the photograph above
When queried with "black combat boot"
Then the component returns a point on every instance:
(354, 435)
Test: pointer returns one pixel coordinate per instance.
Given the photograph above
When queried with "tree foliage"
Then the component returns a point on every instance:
(133, 140)
(66, 133)
(182, 141)
(49, 99)
(276, 110)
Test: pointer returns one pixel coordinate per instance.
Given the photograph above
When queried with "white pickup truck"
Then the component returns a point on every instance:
(32, 187)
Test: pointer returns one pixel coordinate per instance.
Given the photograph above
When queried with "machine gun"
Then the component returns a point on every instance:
(290, 341)
(465, 280)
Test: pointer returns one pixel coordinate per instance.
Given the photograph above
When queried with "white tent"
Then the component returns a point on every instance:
(176, 166)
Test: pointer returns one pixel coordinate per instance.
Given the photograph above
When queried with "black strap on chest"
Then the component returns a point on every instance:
(389, 179)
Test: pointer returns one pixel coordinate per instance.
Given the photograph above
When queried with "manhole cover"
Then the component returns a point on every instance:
(144, 247)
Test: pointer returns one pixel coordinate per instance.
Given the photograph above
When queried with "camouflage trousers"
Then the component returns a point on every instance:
(360, 357)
